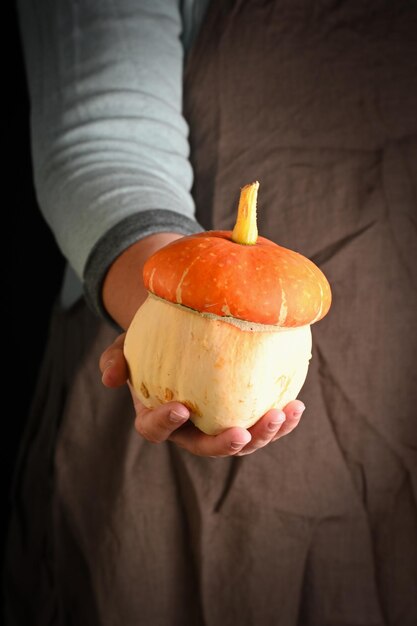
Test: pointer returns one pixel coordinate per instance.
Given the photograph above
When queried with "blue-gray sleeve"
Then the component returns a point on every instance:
(109, 141)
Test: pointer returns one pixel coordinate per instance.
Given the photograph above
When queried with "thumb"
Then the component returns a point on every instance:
(113, 364)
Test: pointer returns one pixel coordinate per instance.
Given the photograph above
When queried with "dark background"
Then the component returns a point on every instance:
(32, 265)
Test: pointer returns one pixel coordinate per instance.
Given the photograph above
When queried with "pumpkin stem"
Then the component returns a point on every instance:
(245, 230)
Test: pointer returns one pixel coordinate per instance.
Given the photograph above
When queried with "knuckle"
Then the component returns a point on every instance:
(195, 449)
(145, 432)
(260, 443)
(291, 423)
(255, 445)
(103, 359)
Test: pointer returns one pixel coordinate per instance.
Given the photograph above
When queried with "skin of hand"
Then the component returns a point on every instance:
(123, 293)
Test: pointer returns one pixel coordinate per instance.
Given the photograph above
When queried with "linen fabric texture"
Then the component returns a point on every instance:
(315, 100)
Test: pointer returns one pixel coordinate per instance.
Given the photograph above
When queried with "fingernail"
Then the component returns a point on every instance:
(299, 412)
(236, 445)
(178, 416)
(278, 419)
(275, 424)
(107, 366)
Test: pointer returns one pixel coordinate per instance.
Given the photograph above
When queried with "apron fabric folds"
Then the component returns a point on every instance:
(317, 101)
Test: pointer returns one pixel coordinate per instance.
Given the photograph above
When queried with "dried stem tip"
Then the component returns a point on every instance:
(245, 231)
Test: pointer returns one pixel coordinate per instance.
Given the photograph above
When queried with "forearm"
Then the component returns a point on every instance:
(123, 288)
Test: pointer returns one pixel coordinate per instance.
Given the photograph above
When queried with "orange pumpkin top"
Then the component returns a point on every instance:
(263, 283)
(238, 274)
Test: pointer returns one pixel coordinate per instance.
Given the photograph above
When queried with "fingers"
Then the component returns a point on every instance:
(157, 425)
(274, 425)
(264, 431)
(169, 422)
(293, 412)
(238, 441)
(227, 443)
(113, 364)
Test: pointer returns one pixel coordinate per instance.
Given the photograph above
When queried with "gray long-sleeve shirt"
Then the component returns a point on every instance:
(109, 141)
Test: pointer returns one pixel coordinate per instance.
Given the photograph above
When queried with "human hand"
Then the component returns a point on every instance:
(170, 421)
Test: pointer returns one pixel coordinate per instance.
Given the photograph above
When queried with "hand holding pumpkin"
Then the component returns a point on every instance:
(170, 421)
(223, 338)
(225, 329)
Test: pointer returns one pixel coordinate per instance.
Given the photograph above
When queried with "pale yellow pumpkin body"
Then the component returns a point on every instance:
(227, 372)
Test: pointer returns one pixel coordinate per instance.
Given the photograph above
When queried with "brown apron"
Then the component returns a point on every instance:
(317, 101)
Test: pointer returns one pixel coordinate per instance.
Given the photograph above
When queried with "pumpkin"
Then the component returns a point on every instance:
(225, 329)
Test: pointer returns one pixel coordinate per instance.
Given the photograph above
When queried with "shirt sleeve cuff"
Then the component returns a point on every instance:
(121, 236)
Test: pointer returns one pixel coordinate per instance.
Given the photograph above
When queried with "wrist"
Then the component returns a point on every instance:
(123, 289)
